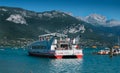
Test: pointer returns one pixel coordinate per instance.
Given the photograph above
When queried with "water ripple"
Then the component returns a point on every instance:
(65, 65)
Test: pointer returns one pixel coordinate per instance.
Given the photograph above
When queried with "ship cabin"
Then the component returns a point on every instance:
(54, 42)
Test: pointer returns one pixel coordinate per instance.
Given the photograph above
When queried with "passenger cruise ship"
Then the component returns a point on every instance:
(55, 45)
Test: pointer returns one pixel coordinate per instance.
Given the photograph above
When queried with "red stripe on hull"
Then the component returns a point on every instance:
(55, 56)
(79, 56)
(58, 56)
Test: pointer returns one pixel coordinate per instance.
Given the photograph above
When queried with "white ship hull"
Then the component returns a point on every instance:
(55, 47)
(59, 54)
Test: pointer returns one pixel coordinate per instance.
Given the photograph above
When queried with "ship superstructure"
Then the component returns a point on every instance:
(55, 45)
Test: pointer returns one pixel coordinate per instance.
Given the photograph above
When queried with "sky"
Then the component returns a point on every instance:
(82, 8)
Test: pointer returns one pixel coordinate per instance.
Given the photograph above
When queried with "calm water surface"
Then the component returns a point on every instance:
(18, 61)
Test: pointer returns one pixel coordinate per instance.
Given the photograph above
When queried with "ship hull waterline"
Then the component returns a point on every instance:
(48, 55)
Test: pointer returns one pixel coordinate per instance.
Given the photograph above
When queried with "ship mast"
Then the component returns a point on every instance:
(118, 41)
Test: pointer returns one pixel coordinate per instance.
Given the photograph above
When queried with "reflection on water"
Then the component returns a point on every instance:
(65, 65)
(18, 61)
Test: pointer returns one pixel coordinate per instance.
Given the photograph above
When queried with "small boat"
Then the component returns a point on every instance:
(103, 52)
(116, 51)
(116, 48)
(55, 45)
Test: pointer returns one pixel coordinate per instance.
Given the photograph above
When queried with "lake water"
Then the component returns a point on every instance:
(18, 61)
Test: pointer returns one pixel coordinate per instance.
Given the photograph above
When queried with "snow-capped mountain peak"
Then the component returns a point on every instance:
(95, 18)
(99, 20)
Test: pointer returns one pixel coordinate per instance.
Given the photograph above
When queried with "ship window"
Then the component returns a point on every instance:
(38, 47)
(64, 46)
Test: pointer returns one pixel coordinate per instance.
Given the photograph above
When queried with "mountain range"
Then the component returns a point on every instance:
(21, 23)
(99, 20)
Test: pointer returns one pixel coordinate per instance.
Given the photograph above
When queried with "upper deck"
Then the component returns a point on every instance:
(55, 41)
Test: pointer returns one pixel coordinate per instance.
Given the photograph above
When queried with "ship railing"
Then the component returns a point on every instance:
(53, 34)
